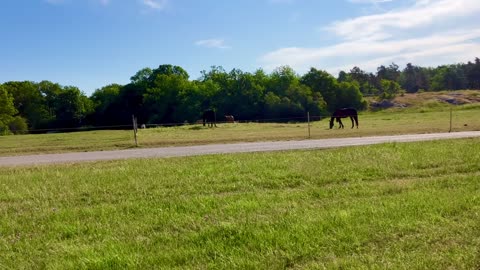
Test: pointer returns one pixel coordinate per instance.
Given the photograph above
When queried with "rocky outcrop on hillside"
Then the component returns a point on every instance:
(385, 104)
(459, 98)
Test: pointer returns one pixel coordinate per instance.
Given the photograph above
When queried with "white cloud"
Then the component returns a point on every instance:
(155, 4)
(423, 13)
(381, 51)
(212, 43)
(402, 35)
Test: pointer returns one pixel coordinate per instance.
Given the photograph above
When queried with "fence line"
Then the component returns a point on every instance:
(450, 120)
(303, 119)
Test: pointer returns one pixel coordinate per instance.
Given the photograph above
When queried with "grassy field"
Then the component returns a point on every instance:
(431, 117)
(391, 206)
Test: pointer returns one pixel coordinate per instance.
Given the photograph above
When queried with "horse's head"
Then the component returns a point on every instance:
(331, 122)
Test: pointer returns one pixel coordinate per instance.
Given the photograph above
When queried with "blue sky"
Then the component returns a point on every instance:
(92, 43)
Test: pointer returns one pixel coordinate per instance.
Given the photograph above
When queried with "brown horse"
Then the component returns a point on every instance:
(344, 113)
(229, 119)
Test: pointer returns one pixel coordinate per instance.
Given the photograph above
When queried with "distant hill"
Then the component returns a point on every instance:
(426, 100)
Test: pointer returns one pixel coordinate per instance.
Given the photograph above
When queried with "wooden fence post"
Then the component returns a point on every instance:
(308, 121)
(450, 130)
(134, 120)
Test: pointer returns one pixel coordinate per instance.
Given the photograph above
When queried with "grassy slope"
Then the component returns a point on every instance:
(423, 99)
(407, 206)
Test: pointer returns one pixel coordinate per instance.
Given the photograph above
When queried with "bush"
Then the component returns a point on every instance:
(4, 130)
(18, 125)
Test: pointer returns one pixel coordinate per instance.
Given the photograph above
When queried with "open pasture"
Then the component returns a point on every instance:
(391, 206)
(431, 119)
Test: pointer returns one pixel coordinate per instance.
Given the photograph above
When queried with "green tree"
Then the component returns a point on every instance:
(30, 103)
(7, 110)
(343, 76)
(240, 93)
(141, 76)
(472, 72)
(367, 82)
(307, 100)
(287, 96)
(190, 99)
(278, 102)
(414, 78)
(163, 97)
(50, 92)
(169, 70)
(249, 95)
(106, 106)
(281, 79)
(325, 84)
(450, 77)
(389, 89)
(71, 107)
(349, 95)
(219, 89)
(391, 73)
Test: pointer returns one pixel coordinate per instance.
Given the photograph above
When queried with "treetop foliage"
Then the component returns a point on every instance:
(167, 95)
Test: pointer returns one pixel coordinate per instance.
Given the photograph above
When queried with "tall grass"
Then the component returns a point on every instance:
(391, 206)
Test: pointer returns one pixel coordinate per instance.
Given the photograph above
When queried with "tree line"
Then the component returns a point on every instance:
(167, 95)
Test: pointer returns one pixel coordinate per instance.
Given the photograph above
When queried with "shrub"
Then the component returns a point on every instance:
(18, 125)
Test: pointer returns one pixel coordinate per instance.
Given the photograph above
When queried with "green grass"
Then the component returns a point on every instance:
(428, 119)
(391, 206)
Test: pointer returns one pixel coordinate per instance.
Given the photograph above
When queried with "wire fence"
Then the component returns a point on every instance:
(451, 118)
(109, 137)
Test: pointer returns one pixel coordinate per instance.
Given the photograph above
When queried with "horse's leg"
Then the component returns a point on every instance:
(340, 122)
(351, 119)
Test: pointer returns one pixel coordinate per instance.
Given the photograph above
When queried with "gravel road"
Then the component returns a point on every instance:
(165, 152)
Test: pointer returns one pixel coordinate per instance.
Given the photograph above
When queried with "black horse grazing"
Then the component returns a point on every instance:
(343, 113)
(209, 118)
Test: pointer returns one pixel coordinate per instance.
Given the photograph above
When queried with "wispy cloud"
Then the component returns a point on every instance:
(360, 52)
(155, 4)
(212, 43)
(403, 35)
(423, 13)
